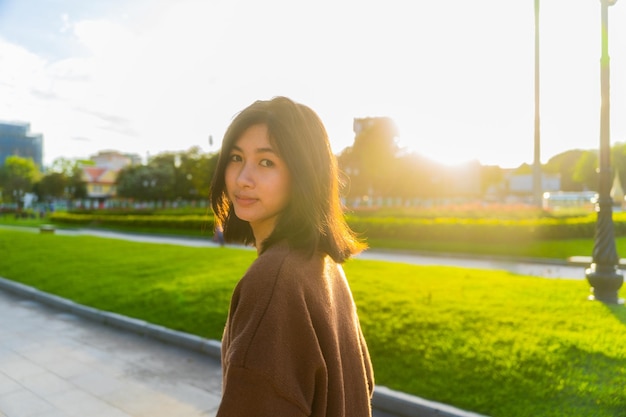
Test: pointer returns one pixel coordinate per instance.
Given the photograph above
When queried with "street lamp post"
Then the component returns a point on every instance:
(537, 176)
(603, 274)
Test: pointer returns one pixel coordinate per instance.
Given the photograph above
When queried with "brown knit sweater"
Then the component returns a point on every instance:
(293, 344)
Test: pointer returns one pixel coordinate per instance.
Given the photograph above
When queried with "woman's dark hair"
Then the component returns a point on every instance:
(313, 219)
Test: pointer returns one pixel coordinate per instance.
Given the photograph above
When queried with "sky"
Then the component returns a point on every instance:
(456, 76)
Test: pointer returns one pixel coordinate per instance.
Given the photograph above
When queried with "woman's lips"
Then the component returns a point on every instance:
(245, 201)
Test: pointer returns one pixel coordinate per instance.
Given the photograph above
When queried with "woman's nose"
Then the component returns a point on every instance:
(246, 176)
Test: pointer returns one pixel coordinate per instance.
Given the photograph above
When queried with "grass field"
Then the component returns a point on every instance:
(486, 341)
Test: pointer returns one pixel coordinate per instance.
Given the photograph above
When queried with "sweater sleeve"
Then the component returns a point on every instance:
(249, 393)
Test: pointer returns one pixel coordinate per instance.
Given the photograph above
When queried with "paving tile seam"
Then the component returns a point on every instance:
(384, 399)
(55, 406)
(23, 384)
(39, 398)
(43, 400)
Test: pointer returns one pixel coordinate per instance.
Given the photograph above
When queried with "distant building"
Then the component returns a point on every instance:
(100, 182)
(16, 140)
(522, 184)
(115, 160)
(569, 199)
(100, 178)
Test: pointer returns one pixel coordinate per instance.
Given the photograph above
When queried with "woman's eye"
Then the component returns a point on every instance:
(267, 163)
(234, 158)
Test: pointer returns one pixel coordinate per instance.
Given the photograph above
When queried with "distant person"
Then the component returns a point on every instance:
(293, 344)
(219, 235)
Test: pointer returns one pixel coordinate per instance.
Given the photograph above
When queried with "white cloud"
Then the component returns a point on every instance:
(455, 75)
(20, 71)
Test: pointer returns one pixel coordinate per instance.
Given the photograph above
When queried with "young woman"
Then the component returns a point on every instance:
(292, 345)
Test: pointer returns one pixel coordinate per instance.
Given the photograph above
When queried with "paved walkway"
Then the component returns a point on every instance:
(54, 363)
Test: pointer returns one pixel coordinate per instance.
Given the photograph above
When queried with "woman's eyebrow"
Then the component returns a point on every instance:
(258, 150)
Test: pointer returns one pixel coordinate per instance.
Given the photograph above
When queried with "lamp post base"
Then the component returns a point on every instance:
(605, 283)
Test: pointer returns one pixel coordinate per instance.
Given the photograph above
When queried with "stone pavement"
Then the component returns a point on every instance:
(57, 364)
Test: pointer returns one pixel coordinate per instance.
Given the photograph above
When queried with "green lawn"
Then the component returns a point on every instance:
(486, 341)
(550, 249)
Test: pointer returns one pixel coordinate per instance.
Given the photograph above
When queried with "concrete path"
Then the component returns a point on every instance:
(57, 364)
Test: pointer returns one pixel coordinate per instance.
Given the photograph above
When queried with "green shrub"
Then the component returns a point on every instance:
(141, 221)
(474, 230)
(435, 229)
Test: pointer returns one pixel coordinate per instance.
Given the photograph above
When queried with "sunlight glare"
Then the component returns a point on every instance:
(439, 151)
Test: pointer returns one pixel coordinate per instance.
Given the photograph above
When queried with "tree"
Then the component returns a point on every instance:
(169, 176)
(51, 185)
(191, 172)
(63, 180)
(618, 160)
(353, 184)
(76, 187)
(203, 171)
(72, 171)
(564, 164)
(17, 177)
(523, 169)
(416, 177)
(586, 170)
(162, 177)
(370, 162)
(147, 183)
(63, 166)
(491, 176)
(194, 172)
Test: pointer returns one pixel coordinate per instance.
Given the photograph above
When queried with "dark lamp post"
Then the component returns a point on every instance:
(603, 274)
(537, 175)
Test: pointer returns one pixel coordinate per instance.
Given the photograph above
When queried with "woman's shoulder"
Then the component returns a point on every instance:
(284, 263)
(280, 272)
(267, 266)
(270, 261)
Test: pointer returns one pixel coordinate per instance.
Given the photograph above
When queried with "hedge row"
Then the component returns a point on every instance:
(439, 229)
(473, 230)
(143, 221)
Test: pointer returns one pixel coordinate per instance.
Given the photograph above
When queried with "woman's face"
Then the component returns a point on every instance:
(257, 181)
